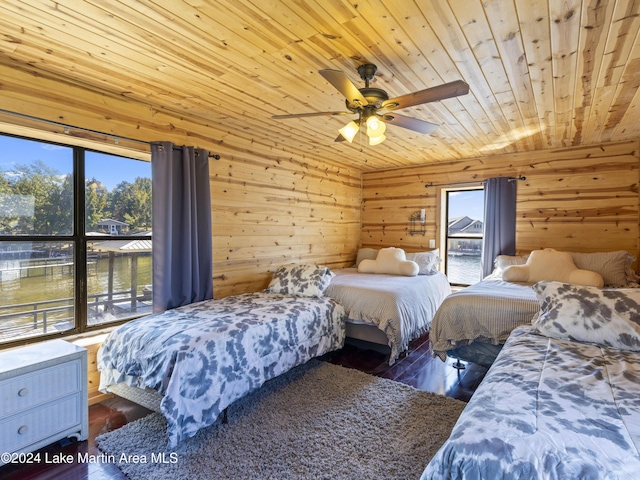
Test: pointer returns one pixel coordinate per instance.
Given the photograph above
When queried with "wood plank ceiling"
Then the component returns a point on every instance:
(543, 73)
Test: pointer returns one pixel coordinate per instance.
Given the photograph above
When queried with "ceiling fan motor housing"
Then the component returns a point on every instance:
(374, 97)
(367, 72)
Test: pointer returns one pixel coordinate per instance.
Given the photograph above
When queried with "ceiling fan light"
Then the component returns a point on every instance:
(377, 140)
(349, 131)
(375, 127)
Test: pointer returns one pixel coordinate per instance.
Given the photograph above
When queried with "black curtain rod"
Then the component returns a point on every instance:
(67, 130)
(215, 156)
(178, 147)
(510, 179)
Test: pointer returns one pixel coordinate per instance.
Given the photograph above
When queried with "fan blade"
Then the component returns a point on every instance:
(414, 124)
(342, 83)
(340, 138)
(433, 94)
(314, 114)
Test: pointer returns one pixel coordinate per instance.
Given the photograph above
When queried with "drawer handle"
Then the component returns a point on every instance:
(23, 429)
(23, 392)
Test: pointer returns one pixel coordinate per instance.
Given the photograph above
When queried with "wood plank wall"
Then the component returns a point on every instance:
(269, 211)
(269, 206)
(92, 344)
(575, 199)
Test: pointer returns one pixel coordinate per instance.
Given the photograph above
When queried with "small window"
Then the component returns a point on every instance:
(464, 226)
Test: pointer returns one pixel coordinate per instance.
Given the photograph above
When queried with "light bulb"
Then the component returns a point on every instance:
(375, 127)
(349, 131)
(377, 140)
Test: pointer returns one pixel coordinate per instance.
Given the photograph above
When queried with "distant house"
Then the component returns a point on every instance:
(112, 227)
(464, 227)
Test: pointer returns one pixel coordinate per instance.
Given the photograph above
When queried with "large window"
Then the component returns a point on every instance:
(464, 220)
(75, 238)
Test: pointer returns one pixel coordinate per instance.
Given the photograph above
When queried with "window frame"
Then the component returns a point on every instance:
(80, 240)
(444, 221)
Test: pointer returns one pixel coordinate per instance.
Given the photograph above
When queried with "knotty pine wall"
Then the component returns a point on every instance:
(269, 211)
(576, 199)
(269, 206)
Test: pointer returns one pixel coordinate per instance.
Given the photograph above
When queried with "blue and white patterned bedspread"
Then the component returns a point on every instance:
(548, 409)
(203, 356)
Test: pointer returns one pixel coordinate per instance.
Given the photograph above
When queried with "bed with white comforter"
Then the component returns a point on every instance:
(401, 307)
(203, 356)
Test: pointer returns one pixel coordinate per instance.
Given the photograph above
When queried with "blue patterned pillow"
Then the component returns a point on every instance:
(300, 280)
(607, 317)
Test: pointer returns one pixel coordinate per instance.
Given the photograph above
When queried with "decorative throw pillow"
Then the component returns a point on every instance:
(610, 318)
(392, 261)
(615, 267)
(300, 280)
(551, 265)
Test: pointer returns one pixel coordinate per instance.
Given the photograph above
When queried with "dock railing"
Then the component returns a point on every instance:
(39, 317)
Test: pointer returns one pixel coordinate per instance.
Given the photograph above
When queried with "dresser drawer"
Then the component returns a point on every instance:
(25, 391)
(24, 429)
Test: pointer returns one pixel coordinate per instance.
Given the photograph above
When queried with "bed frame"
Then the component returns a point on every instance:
(367, 333)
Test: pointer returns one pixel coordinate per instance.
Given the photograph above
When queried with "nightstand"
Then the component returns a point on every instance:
(43, 395)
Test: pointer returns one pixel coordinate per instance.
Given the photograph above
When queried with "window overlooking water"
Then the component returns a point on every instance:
(75, 250)
(36, 188)
(464, 220)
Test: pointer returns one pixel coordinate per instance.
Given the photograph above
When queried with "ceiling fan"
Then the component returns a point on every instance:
(374, 107)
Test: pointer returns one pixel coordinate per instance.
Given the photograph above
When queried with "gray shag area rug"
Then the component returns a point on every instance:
(318, 421)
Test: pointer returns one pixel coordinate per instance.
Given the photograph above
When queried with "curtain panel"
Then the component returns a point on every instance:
(182, 245)
(499, 236)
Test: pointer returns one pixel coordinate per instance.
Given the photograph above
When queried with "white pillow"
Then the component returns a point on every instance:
(503, 261)
(610, 318)
(615, 267)
(427, 262)
(551, 265)
(392, 261)
(411, 255)
(366, 253)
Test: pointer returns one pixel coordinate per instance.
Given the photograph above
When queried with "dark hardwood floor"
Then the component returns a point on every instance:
(416, 368)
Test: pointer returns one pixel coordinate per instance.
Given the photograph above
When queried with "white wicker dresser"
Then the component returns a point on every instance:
(43, 396)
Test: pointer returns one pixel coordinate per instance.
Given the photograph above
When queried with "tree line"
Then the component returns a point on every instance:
(36, 199)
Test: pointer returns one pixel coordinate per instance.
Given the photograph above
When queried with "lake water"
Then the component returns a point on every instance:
(18, 289)
(464, 269)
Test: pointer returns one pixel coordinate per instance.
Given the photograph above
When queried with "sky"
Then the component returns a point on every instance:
(467, 202)
(109, 169)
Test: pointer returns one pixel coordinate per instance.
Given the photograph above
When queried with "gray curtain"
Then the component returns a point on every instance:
(499, 237)
(182, 245)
